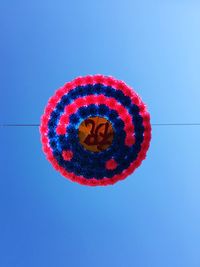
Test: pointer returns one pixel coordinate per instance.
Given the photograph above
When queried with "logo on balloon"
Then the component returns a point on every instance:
(96, 134)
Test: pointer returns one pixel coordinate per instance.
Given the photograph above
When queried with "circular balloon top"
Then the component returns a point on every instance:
(95, 130)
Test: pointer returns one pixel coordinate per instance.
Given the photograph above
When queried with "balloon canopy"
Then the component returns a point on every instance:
(95, 130)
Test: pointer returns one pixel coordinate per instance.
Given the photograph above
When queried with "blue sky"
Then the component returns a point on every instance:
(152, 218)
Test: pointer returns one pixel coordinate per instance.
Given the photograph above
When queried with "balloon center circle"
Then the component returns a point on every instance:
(96, 134)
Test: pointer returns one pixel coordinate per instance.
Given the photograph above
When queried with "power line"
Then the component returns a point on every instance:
(19, 125)
(153, 124)
(175, 124)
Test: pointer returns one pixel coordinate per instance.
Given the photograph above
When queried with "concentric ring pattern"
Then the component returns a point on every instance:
(85, 98)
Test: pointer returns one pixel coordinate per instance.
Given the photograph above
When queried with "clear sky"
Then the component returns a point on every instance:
(152, 219)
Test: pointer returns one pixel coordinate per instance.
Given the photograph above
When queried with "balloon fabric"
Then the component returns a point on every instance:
(95, 130)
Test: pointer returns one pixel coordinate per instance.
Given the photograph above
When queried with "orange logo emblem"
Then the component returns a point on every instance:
(96, 134)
